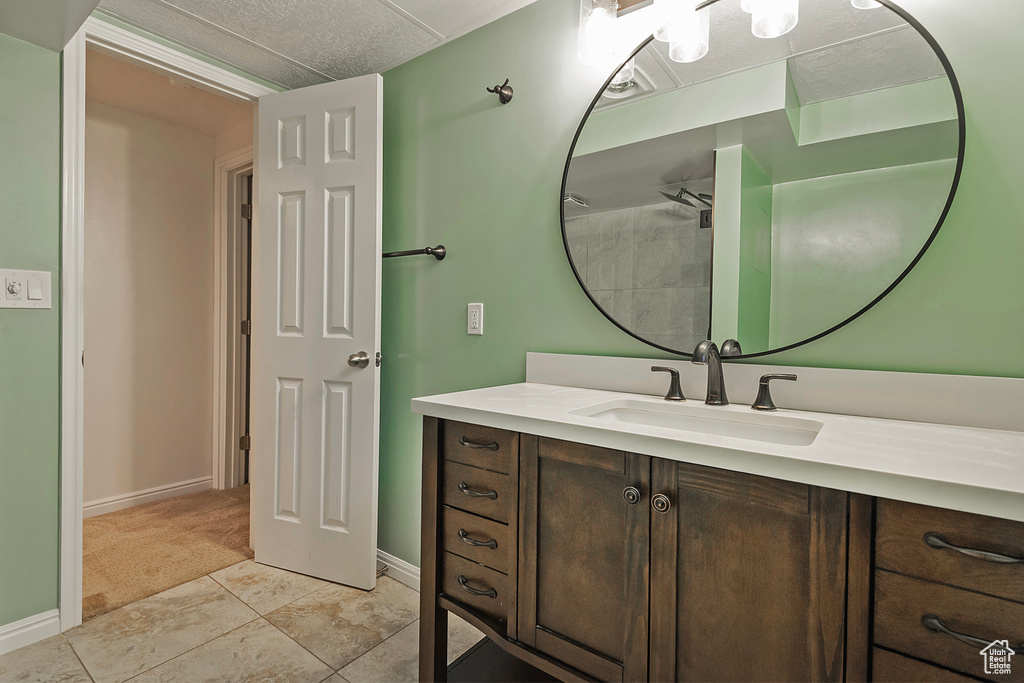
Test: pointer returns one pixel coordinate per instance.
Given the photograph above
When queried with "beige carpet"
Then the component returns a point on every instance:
(132, 554)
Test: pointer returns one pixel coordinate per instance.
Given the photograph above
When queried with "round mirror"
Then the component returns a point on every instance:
(770, 191)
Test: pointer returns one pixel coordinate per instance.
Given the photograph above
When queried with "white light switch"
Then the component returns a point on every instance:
(25, 289)
(475, 319)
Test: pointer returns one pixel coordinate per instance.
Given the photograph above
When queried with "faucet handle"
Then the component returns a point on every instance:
(675, 392)
(764, 394)
(730, 347)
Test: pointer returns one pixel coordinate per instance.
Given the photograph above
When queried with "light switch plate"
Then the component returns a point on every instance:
(475, 319)
(25, 289)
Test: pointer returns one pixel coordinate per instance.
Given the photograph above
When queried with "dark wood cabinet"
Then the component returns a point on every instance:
(583, 577)
(748, 578)
(596, 564)
(948, 585)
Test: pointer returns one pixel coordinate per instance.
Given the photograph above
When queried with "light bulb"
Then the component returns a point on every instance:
(773, 18)
(598, 37)
(685, 30)
(865, 4)
(623, 76)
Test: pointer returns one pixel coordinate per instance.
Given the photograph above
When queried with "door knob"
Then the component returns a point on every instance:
(359, 360)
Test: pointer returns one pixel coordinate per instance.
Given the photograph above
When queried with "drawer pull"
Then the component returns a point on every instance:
(492, 494)
(937, 541)
(490, 592)
(933, 623)
(489, 543)
(492, 446)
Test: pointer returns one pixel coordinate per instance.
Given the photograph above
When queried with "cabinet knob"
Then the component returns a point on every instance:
(661, 503)
(631, 495)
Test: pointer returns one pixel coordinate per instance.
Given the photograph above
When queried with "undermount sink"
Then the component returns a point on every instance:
(701, 419)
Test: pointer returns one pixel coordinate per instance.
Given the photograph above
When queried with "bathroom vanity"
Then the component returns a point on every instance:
(601, 544)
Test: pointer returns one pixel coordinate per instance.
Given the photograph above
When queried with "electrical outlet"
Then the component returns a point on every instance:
(475, 319)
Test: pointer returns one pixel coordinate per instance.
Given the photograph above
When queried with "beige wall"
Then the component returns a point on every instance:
(148, 303)
(236, 138)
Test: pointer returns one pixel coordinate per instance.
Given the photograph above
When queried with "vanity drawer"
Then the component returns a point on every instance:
(889, 667)
(463, 486)
(475, 585)
(476, 538)
(902, 603)
(900, 546)
(486, 447)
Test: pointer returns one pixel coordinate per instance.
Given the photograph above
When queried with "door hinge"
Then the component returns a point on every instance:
(247, 327)
(247, 211)
(245, 443)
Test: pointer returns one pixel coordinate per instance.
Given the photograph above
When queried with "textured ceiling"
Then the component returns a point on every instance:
(132, 88)
(294, 43)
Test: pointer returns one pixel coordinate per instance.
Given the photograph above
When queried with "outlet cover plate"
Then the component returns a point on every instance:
(474, 319)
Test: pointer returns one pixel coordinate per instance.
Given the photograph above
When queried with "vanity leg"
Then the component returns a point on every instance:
(433, 619)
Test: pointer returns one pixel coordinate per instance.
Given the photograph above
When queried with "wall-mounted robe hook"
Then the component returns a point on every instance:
(504, 92)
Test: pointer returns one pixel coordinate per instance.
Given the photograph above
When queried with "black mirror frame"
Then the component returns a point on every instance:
(962, 128)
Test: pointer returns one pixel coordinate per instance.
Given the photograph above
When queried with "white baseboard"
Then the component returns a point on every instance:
(400, 570)
(127, 500)
(29, 630)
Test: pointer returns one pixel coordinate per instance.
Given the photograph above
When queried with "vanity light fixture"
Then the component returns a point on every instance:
(769, 18)
(686, 29)
(605, 38)
(866, 4)
(600, 40)
(773, 18)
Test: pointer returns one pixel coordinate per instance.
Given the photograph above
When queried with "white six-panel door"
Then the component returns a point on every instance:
(315, 429)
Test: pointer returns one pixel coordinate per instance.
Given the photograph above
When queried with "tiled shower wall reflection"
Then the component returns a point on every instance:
(649, 267)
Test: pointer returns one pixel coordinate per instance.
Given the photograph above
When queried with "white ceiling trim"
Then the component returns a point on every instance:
(100, 13)
(139, 50)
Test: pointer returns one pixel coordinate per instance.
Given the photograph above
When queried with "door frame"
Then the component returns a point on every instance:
(143, 51)
(230, 170)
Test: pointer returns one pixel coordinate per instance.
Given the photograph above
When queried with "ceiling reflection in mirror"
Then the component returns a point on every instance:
(771, 190)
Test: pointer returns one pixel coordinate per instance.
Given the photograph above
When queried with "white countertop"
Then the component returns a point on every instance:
(961, 468)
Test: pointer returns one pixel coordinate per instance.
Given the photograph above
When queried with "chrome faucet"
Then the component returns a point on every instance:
(706, 353)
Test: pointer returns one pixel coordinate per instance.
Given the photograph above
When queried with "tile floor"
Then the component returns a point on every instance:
(248, 622)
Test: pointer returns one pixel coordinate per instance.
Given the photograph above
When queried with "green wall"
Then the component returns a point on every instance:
(882, 216)
(755, 286)
(483, 179)
(29, 340)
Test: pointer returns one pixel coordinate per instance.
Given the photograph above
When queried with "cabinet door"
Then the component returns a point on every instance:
(748, 577)
(583, 575)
